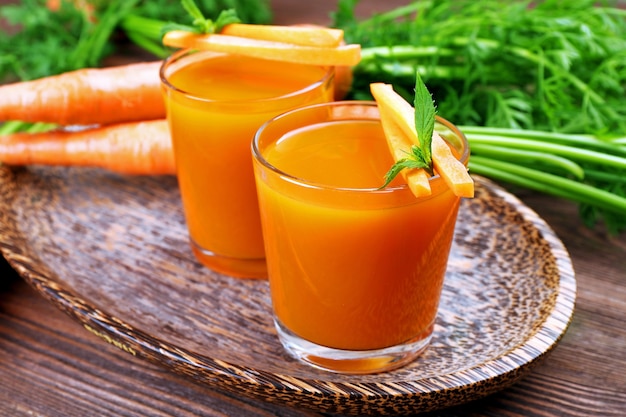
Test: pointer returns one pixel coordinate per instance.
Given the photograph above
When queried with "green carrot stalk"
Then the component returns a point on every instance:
(548, 183)
(576, 153)
(403, 52)
(145, 33)
(607, 177)
(529, 157)
(575, 140)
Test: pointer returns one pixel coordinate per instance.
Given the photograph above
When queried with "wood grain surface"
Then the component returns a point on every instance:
(51, 366)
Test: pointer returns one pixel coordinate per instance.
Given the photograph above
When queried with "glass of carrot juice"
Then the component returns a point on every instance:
(355, 271)
(215, 102)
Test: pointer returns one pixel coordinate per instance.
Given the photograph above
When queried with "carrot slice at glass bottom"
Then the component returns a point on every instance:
(278, 51)
(298, 35)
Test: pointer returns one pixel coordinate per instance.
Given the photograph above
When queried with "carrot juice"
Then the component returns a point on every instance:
(215, 103)
(352, 268)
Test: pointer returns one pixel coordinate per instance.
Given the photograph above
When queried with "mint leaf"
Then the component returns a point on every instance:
(415, 160)
(424, 118)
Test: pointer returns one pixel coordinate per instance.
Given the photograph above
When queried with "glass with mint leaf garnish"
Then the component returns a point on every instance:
(355, 271)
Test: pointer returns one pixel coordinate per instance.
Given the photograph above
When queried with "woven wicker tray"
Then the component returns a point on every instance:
(112, 252)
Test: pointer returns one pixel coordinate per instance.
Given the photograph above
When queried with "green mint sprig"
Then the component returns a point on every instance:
(424, 121)
(420, 156)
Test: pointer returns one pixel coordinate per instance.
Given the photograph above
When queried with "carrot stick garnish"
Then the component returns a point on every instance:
(445, 163)
(297, 35)
(279, 51)
(451, 169)
(87, 96)
(400, 145)
(307, 45)
(135, 148)
(398, 109)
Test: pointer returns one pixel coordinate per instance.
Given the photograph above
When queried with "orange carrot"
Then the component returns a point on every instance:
(87, 96)
(279, 51)
(400, 147)
(305, 35)
(451, 169)
(134, 148)
(344, 74)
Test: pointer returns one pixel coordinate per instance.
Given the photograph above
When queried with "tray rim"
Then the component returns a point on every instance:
(422, 395)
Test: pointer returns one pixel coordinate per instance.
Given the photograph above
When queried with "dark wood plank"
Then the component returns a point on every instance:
(51, 366)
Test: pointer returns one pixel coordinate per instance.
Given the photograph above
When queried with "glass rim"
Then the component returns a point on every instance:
(258, 156)
(180, 54)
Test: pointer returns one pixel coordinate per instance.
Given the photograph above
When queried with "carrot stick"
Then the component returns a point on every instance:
(278, 51)
(451, 169)
(403, 114)
(398, 108)
(400, 146)
(297, 35)
(87, 96)
(344, 74)
(135, 148)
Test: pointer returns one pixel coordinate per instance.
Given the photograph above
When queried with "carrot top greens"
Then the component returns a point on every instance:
(42, 42)
(543, 65)
(537, 87)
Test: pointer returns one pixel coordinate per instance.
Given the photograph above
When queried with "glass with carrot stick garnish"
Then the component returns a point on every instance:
(219, 88)
(356, 269)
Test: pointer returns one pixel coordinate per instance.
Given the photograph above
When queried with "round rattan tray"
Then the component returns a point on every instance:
(112, 252)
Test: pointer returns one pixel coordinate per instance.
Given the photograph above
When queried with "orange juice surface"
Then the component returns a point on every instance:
(361, 269)
(214, 109)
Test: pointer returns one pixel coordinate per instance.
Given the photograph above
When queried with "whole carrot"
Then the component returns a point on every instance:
(87, 96)
(134, 148)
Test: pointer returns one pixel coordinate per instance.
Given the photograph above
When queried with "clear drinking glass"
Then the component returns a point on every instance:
(215, 102)
(355, 271)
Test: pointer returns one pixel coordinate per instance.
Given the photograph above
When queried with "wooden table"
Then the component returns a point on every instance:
(51, 366)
